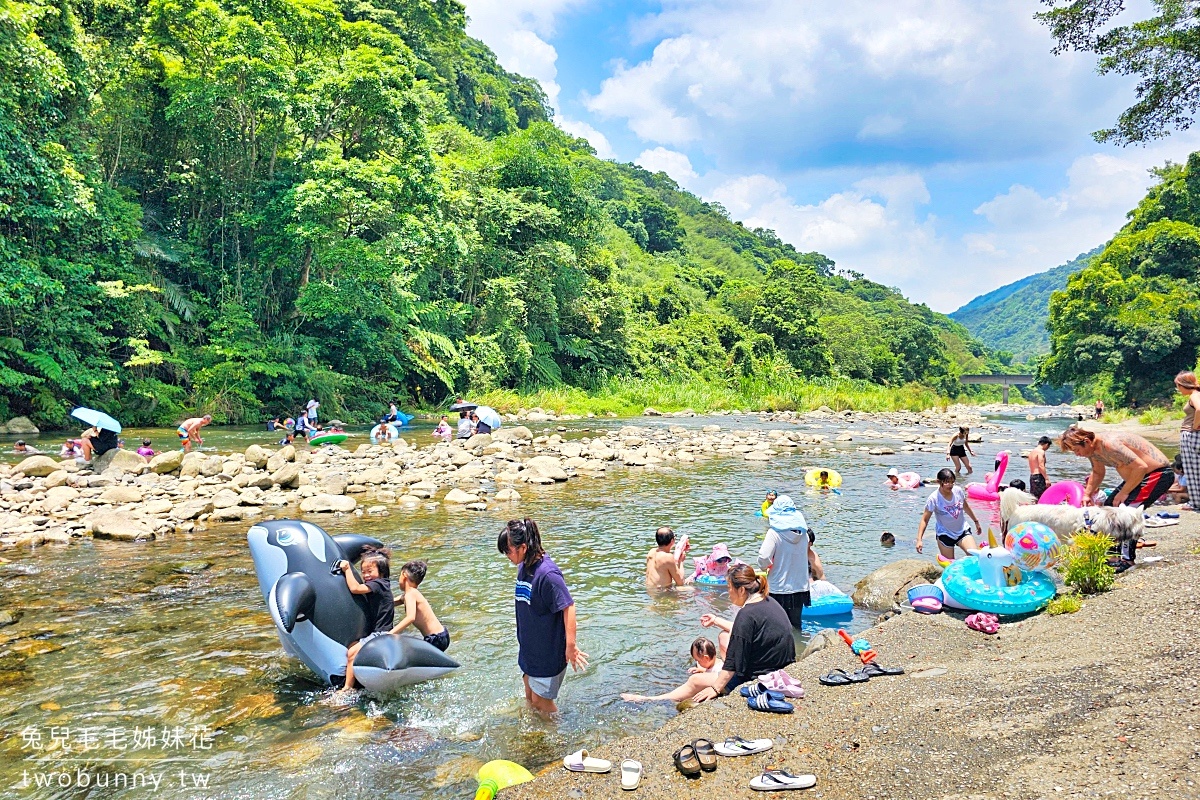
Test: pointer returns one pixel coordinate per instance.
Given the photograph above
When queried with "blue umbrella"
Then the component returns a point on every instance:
(97, 418)
(488, 416)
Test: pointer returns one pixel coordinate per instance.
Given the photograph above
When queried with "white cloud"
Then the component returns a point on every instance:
(596, 139)
(674, 163)
(786, 84)
(517, 31)
(881, 225)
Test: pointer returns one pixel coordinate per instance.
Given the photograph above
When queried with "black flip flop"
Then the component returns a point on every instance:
(839, 677)
(874, 670)
(687, 762)
(705, 754)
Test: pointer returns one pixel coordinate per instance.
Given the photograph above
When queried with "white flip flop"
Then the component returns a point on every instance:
(778, 780)
(580, 762)
(631, 774)
(737, 746)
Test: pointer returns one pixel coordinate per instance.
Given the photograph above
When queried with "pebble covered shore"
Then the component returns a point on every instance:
(123, 496)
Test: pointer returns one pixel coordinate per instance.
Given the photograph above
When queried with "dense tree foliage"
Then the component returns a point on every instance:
(232, 206)
(1131, 320)
(1163, 49)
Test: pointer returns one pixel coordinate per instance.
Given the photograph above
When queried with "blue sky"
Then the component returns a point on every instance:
(933, 145)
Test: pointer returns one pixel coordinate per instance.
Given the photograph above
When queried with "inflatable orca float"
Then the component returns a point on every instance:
(317, 616)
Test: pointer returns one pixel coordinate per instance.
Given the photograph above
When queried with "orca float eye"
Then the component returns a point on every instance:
(285, 537)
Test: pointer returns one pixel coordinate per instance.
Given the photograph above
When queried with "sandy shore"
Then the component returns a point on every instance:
(1101, 703)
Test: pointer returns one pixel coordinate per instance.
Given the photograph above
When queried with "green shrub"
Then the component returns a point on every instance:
(1067, 603)
(1155, 415)
(1084, 563)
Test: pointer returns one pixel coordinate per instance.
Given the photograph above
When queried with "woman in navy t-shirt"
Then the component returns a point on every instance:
(545, 616)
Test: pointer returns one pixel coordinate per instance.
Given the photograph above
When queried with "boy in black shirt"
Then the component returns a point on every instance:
(380, 606)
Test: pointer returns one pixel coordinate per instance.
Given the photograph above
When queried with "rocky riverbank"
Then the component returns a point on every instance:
(123, 496)
(1100, 703)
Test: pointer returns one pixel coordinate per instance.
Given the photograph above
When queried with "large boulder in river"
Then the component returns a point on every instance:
(118, 460)
(21, 426)
(888, 586)
(287, 476)
(459, 497)
(547, 467)
(517, 433)
(119, 525)
(169, 461)
(192, 509)
(37, 466)
(256, 456)
(59, 497)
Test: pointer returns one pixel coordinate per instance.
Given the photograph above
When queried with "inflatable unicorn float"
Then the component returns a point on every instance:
(1005, 579)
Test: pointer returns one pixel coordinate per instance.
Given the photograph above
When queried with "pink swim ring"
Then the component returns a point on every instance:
(990, 489)
(1070, 492)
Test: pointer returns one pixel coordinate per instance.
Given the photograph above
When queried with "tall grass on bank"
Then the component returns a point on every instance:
(630, 396)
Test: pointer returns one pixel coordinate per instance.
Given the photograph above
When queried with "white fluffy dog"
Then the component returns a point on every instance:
(1123, 523)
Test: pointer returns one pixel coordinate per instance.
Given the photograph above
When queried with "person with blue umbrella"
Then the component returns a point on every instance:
(101, 437)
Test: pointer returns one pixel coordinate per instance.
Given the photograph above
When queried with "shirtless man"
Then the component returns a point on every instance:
(1038, 480)
(189, 431)
(662, 567)
(1146, 471)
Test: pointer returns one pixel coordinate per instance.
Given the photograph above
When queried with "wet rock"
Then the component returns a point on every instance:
(167, 462)
(192, 567)
(459, 497)
(547, 467)
(287, 476)
(377, 511)
(515, 434)
(508, 496)
(119, 525)
(256, 456)
(479, 506)
(479, 440)
(423, 489)
(118, 461)
(371, 476)
(336, 484)
(225, 498)
(8, 617)
(758, 455)
(212, 466)
(37, 466)
(881, 451)
(233, 513)
(886, 587)
(460, 458)
(328, 503)
(20, 426)
(122, 494)
(192, 509)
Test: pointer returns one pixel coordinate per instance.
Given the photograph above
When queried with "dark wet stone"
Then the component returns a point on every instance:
(192, 567)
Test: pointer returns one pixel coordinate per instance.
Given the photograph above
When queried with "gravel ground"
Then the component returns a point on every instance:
(1101, 703)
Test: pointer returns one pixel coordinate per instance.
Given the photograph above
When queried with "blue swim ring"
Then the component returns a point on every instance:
(964, 584)
(709, 580)
(829, 606)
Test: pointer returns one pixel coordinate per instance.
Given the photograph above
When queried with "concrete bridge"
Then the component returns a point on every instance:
(1004, 380)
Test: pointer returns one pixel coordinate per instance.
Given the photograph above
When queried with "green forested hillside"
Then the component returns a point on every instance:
(1013, 317)
(1127, 323)
(228, 206)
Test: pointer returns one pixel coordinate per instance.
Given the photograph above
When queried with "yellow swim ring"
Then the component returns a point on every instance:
(813, 478)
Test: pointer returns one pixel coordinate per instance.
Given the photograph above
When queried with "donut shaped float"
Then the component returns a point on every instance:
(316, 615)
(964, 584)
(1070, 492)
(327, 438)
(827, 600)
(908, 480)
(813, 477)
(392, 432)
(989, 490)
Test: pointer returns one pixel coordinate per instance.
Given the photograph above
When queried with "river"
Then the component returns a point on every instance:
(173, 635)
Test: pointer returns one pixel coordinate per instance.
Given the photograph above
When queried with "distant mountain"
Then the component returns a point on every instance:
(1013, 317)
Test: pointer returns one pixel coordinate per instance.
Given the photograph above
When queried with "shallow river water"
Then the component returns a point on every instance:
(172, 636)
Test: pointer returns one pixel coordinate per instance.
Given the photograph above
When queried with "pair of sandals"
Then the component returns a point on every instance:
(693, 759)
(631, 771)
(839, 677)
(760, 698)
